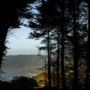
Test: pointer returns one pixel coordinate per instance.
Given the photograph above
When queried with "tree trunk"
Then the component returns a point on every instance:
(76, 52)
(45, 73)
(58, 58)
(62, 61)
(49, 61)
(3, 34)
(62, 47)
(87, 82)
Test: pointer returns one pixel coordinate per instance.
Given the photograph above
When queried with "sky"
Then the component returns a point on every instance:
(19, 44)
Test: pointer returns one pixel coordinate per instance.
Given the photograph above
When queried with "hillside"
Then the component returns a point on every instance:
(40, 79)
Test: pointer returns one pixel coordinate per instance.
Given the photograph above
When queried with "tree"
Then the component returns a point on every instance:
(10, 17)
(22, 82)
(61, 18)
(87, 86)
(75, 42)
(77, 38)
(51, 18)
(43, 27)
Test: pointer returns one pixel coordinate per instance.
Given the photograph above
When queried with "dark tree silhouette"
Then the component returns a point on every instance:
(11, 11)
(49, 59)
(58, 23)
(22, 82)
(87, 86)
(43, 27)
(54, 15)
(58, 58)
(75, 43)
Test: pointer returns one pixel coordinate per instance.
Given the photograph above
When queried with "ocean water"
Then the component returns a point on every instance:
(9, 74)
(21, 65)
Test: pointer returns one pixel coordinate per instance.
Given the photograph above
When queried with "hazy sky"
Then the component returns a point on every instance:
(19, 44)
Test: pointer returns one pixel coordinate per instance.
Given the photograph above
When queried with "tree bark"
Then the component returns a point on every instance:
(3, 34)
(49, 61)
(62, 46)
(87, 82)
(75, 51)
(62, 61)
(58, 58)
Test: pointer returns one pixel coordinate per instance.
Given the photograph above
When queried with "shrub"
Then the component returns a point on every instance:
(22, 82)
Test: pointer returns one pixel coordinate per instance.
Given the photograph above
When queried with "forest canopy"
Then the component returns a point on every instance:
(63, 26)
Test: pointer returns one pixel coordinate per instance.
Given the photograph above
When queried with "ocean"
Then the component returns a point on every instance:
(21, 65)
(9, 74)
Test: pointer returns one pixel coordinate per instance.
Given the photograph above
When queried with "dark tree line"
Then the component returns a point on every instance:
(65, 35)
(11, 12)
(62, 20)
